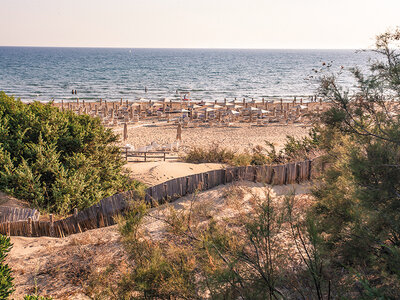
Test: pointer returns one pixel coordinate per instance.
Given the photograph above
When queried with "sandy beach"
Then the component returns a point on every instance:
(240, 137)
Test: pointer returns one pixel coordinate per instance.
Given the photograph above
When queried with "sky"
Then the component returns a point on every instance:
(263, 24)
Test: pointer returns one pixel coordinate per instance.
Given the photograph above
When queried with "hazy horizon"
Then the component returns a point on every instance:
(189, 24)
(185, 48)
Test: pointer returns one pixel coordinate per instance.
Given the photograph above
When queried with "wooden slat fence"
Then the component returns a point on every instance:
(12, 214)
(103, 214)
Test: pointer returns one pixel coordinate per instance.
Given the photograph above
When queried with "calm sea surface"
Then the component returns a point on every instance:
(209, 74)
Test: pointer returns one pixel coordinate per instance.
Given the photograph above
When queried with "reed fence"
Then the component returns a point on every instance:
(103, 214)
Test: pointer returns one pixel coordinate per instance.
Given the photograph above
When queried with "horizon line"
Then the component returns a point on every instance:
(179, 48)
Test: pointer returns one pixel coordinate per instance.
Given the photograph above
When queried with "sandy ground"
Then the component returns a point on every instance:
(156, 172)
(61, 267)
(240, 137)
(7, 200)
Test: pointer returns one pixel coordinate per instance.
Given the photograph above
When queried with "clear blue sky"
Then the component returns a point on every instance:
(196, 23)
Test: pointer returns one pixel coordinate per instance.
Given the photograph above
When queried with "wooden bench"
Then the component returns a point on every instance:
(147, 154)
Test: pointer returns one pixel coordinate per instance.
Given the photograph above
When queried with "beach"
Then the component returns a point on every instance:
(240, 137)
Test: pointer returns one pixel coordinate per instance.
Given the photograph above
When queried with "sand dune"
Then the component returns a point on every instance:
(156, 172)
(61, 267)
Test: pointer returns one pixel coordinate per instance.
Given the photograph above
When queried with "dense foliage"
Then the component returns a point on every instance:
(57, 160)
(6, 280)
(358, 200)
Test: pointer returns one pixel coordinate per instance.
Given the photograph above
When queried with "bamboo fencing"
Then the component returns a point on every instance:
(104, 213)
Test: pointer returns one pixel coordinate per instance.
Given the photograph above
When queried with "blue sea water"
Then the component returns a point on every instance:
(34, 73)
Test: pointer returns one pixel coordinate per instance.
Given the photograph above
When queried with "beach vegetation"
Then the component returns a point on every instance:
(57, 160)
(267, 251)
(293, 150)
(217, 154)
(6, 279)
(358, 197)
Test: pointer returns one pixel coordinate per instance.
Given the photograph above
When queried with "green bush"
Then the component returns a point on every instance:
(216, 154)
(57, 160)
(6, 280)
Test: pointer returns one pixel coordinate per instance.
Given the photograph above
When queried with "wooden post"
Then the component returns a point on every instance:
(206, 181)
(77, 228)
(52, 225)
(187, 184)
(131, 113)
(125, 131)
(165, 187)
(29, 226)
(8, 228)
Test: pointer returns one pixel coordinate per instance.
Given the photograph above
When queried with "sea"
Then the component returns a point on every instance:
(50, 74)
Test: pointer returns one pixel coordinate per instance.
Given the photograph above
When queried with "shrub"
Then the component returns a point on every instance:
(6, 280)
(57, 160)
(215, 154)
